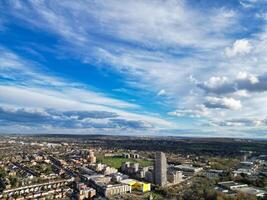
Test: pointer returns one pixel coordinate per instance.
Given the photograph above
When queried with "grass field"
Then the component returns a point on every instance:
(117, 162)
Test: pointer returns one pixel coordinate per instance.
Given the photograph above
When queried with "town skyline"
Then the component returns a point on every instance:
(83, 167)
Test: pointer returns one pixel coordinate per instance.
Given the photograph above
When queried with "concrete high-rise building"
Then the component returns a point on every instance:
(160, 169)
(174, 176)
(91, 157)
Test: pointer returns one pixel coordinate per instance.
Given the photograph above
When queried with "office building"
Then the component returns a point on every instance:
(91, 157)
(160, 169)
(174, 176)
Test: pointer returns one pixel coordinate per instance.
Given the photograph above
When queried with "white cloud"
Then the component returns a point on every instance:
(245, 122)
(262, 15)
(241, 93)
(44, 98)
(144, 28)
(9, 60)
(240, 47)
(216, 81)
(191, 44)
(39, 117)
(161, 93)
(224, 103)
(33, 91)
(248, 4)
(243, 81)
(245, 76)
(198, 111)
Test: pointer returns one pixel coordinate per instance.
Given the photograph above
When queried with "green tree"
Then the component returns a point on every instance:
(13, 181)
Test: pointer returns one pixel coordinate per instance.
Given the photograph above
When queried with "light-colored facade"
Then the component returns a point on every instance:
(116, 189)
(174, 177)
(130, 168)
(103, 168)
(104, 187)
(85, 192)
(91, 157)
(231, 185)
(160, 169)
(54, 188)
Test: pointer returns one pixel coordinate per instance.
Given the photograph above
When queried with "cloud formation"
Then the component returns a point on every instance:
(161, 92)
(245, 122)
(101, 23)
(244, 81)
(224, 103)
(150, 54)
(198, 111)
(36, 91)
(71, 119)
(240, 47)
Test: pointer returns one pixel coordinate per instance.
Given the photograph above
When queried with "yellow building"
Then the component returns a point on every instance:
(137, 185)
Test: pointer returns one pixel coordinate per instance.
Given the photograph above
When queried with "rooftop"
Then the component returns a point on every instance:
(230, 184)
(252, 191)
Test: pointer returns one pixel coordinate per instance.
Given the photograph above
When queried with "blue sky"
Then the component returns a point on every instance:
(172, 67)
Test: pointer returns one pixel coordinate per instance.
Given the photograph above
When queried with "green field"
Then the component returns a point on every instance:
(117, 162)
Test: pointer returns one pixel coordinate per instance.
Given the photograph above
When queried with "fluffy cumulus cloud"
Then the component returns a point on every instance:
(215, 84)
(224, 103)
(240, 47)
(243, 82)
